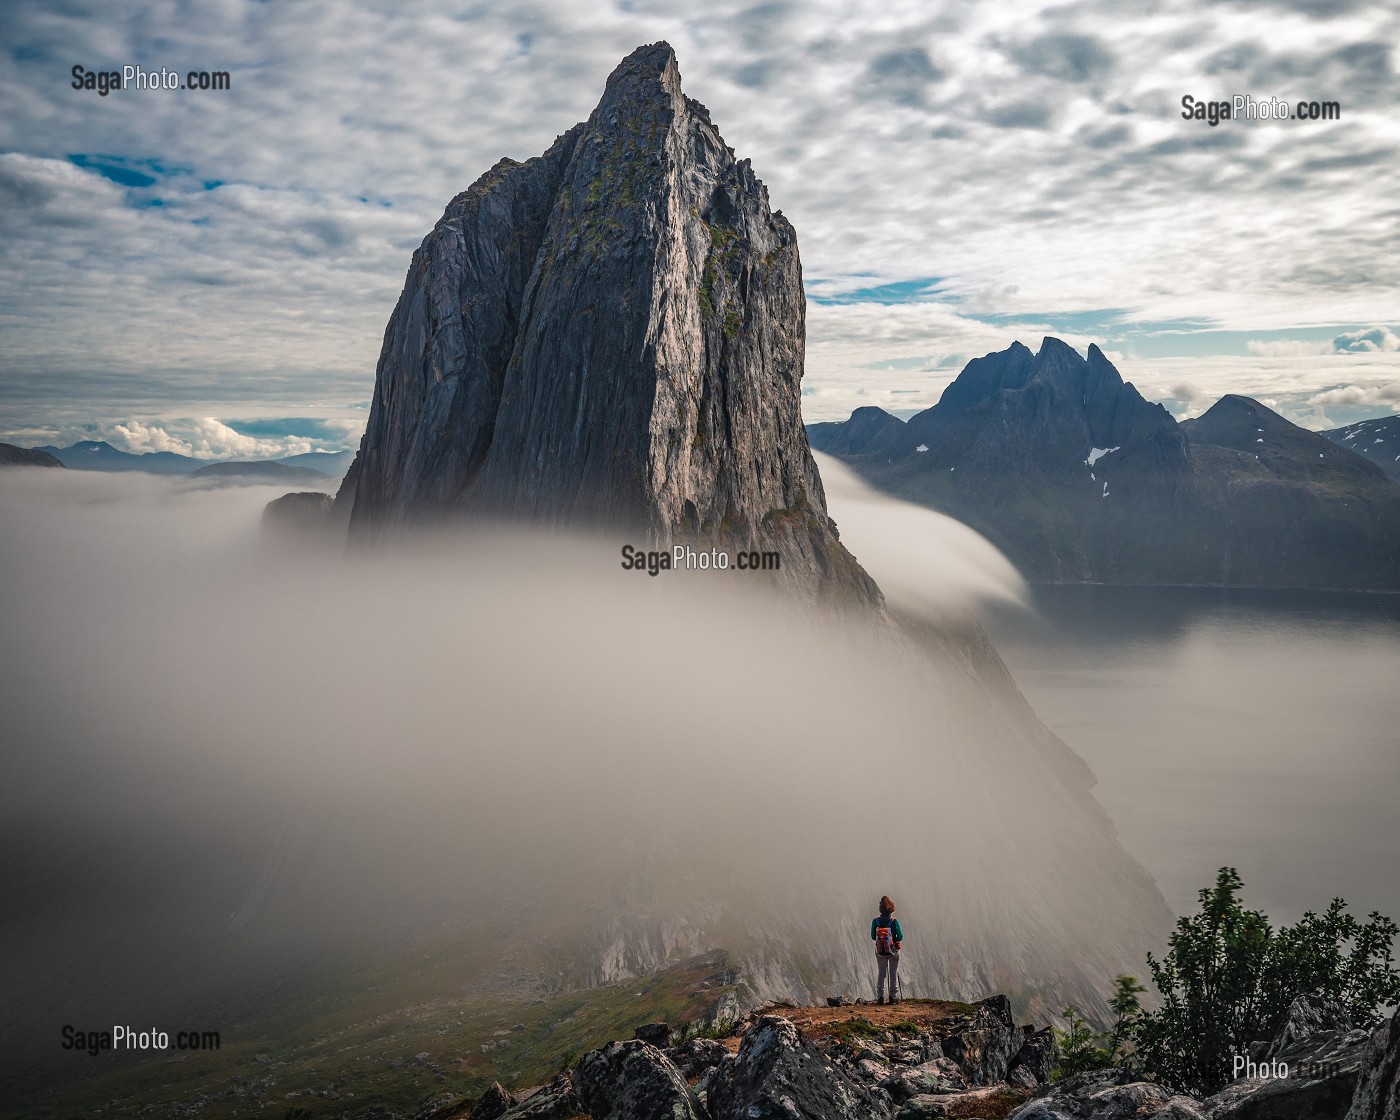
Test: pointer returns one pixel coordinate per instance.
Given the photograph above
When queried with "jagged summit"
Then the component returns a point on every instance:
(609, 334)
(1066, 468)
(1041, 415)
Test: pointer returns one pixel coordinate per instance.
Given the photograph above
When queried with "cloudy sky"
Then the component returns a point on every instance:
(211, 271)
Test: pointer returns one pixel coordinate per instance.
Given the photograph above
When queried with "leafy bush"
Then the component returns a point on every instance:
(1081, 1048)
(1229, 977)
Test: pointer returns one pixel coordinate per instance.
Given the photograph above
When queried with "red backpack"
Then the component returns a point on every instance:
(884, 938)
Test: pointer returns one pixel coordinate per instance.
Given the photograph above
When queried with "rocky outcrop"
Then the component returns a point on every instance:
(1315, 1068)
(634, 1081)
(555, 1101)
(693, 1058)
(1310, 1069)
(984, 1048)
(298, 517)
(1110, 1094)
(794, 1063)
(779, 1073)
(609, 334)
(1378, 1085)
(12, 456)
(494, 1104)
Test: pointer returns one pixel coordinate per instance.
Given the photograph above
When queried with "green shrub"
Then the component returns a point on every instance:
(1228, 978)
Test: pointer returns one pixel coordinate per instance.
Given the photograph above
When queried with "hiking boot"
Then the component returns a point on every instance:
(894, 999)
(880, 1000)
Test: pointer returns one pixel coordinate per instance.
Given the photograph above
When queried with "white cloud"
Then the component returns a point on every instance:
(1377, 339)
(275, 286)
(1287, 347)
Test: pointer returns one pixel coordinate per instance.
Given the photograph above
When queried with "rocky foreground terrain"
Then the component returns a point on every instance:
(922, 1059)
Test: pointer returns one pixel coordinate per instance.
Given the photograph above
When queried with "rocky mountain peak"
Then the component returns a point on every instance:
(610, 334)
(1042, 413)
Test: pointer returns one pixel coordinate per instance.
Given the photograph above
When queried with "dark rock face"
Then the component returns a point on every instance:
(778, 1073)
(1378, 1086)
(984, 1049)
(298, 516)
(1076, 477)
(634, 1081)
(1043, 415)
(1036, 1059)
(12, 456)
(610, 334)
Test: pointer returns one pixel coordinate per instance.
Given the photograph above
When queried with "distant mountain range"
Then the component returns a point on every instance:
(1378, 440)
(98, 455)
(1076, 477)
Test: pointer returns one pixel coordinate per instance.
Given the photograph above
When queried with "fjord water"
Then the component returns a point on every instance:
(1256, 729)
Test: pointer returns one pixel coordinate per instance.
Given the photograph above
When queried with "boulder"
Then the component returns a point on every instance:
(1035, 1061)
(1378, 1086)
(1323, 1060)
(633, 1080)
(780, 1074)
(1307, 1015)
(941, 1075)
(555, 1101)
(658, 1034)
(696, 1056)
(1107, 1094)
(985, 1046)
(494, 1104)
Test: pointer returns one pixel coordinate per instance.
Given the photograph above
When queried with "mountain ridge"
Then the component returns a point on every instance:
(1065, 467)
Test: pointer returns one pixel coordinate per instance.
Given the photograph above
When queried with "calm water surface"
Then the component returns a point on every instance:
(1249, 728)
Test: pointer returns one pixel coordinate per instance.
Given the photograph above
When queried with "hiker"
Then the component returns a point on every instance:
(887, 935)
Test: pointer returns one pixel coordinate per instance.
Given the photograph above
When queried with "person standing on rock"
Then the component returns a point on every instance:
(885, 932)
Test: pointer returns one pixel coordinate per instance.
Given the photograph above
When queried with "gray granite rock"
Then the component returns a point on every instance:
(778, 1073)
(693, 1058)
(609, 334)
(1323, 1071)
(985, 1047)
(1109, 1094)
(554, 1101)
(633, 1080)
(1378, 1085)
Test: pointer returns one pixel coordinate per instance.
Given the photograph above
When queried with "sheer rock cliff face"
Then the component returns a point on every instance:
(611, 336)
(608, 335)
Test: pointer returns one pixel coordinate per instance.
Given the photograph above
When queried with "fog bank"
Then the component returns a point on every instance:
(228, 763)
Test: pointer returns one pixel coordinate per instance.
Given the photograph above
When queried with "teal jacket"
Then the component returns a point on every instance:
(894, 928)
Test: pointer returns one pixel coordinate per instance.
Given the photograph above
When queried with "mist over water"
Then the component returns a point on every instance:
(230, 765)
(1258, 729)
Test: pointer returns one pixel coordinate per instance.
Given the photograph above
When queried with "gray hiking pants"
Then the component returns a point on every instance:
(890, 966)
